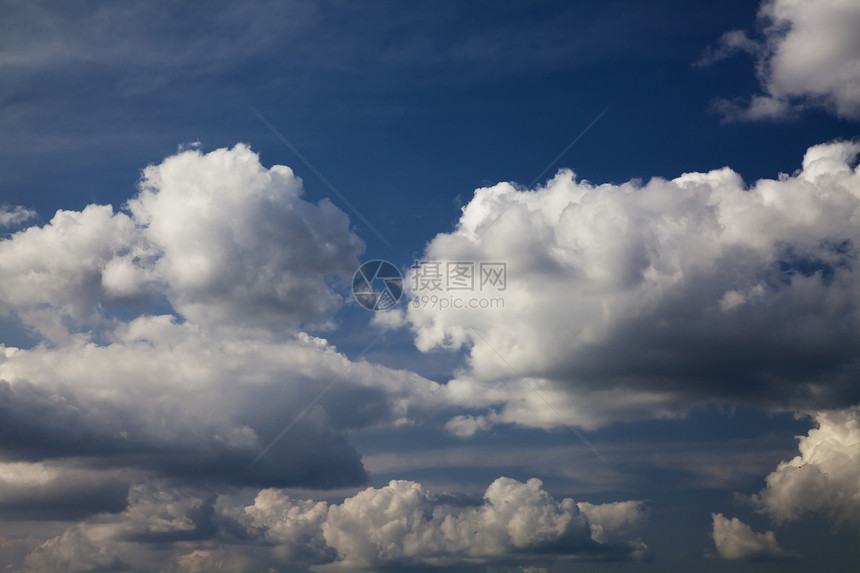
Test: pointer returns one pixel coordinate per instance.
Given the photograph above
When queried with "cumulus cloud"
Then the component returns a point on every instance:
(170, 397)
(640, 300)
(735, 539)
(467, 426)
(243, 263)
(613, 520)
(395, 525)
(809, 56)
(10, 216)
(236, 243)
(225, 240)
(55, 272)
(156, 515)
(73, 551)
(172, 351)
(404, 525)
(824, 478)
(55, 490)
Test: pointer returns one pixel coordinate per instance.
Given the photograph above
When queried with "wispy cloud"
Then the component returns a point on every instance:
(807, 57)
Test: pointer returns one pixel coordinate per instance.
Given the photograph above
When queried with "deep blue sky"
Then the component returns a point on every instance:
(406, 108)
(403, 108)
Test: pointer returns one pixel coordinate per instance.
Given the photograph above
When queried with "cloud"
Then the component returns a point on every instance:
(467, 426)
(809, 57)
(293, 526)
(172, 350)
(730, 43)
(55, 272)
(824, 478)
(735, 539)
(613, 520)
(74, 552)
(642, 300)
(225, 240)
(169, 397)
(172, 529)
(236, 243)
(121, 36)
(404, 525)
(170, 335)
(15, 215)
(157, 515)
(49, 491)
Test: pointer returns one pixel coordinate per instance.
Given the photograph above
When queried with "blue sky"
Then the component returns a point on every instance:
(668, 381)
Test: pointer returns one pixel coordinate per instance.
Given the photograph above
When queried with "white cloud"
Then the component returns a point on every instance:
(294, 526)
(467, 426)
(398, 524)
(631, 301)
(55, 271)
(237, 245)
(245, 262)
(228, 242)
(809, 57)
(735, 539)
(610, 521)
(612, 291)
(15, 215)
(824, 478)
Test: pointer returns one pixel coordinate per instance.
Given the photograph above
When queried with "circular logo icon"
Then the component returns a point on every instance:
(377, 285)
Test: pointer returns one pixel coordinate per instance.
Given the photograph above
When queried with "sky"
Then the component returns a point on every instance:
(609, 250)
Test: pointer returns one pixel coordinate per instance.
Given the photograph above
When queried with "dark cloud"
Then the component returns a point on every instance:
(37, 424)
(59, 492)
